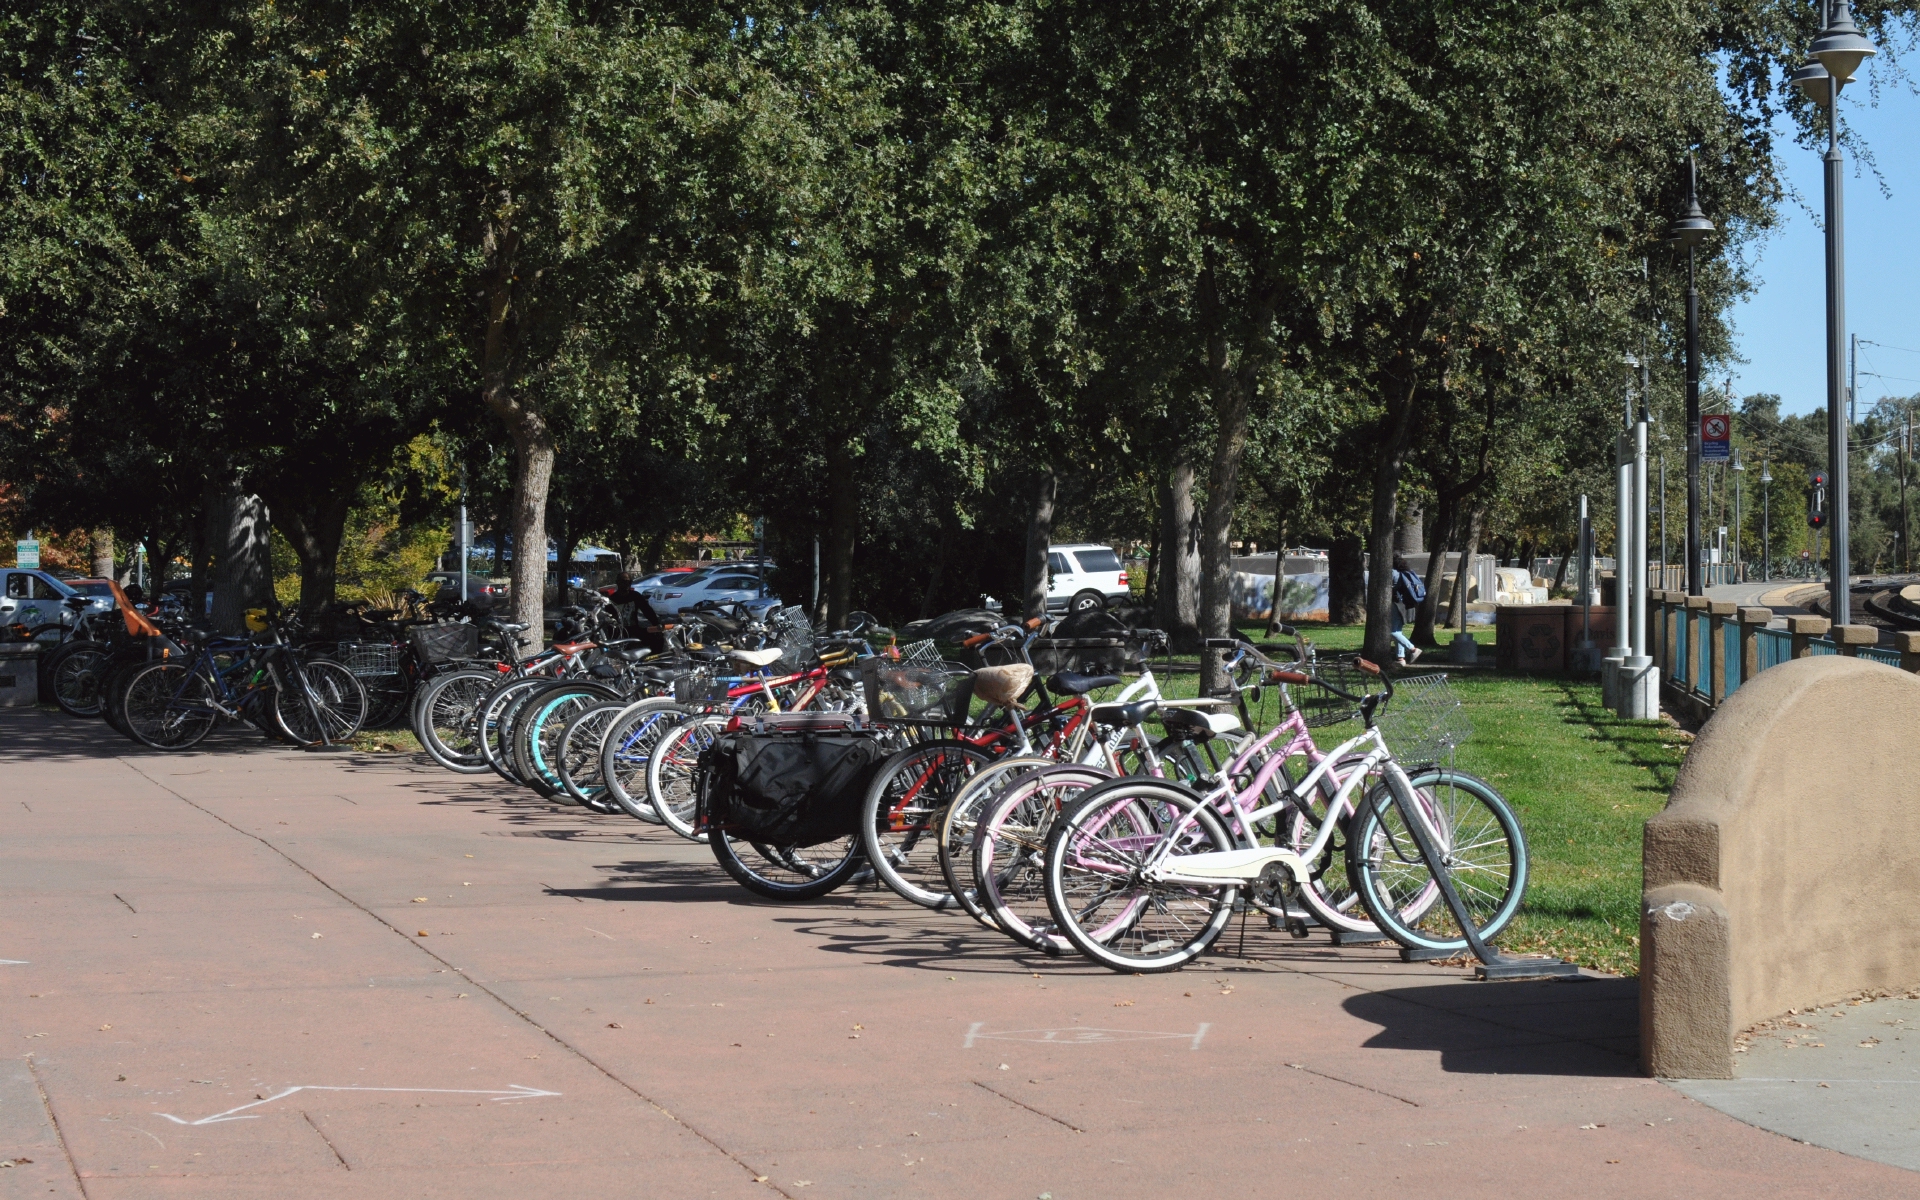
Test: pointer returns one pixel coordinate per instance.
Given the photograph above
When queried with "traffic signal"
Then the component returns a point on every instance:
(1817, 501)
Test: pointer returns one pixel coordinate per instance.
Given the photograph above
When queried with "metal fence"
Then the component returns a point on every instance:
(1687, 645)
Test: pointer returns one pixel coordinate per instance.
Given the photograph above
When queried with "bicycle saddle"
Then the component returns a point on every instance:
(756, 658)
(1003, 685)
(1072, 683)
(1124, 714)
(1187, 724)
(629, 652)
(510, 626)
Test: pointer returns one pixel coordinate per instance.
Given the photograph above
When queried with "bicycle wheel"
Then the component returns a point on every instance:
(900, 816)
(168, 706)
(332, 702)
(113, 692)
(628, 748)
(1009, 852)
(578, 760)
(75, 673)
(670, 771)
(963, 816)
(1096, 885)
(1476, 833)
(788, 873)
(494, 726)
(445, 716)
(544, 719)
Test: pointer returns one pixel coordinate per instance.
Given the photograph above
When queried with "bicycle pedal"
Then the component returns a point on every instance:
(1297, 928)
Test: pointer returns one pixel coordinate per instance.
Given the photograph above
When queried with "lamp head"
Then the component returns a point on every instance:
(1841, 47)
(1814, 83)
(1691, 227)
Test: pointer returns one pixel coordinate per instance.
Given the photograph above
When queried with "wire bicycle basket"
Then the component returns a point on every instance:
(920, 654)
(793, 634)
(370, 660)
(1424, 722)
(934, 695)
(1321, 702)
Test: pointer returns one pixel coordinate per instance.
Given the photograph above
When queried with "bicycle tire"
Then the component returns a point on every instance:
(900, 816)
(1478, 834)
(578, 764)
(1105, 836)
(956, 827)
(836, 863)
(76, 674)
(335, 706)
(628, 747)
(670, 771)
(494, 725)
(545, 719)
(1009, 852)
(168, 706)
(445, 716)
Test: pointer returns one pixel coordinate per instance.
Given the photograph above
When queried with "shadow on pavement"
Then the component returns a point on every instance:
(669, 882)
(1586, 1027)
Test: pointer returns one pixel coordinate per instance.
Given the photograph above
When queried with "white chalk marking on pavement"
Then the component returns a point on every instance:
(1080, 1035)
(514, 1091)
(14, 962)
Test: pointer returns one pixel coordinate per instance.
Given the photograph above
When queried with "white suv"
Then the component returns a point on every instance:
(1085, 577)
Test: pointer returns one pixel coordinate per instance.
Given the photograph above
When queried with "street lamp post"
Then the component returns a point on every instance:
(1689, 229)
(1766, 520)
(1838, 53)
(1739, 478)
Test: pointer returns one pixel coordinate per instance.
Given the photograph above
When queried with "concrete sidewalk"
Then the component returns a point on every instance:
(250, 972)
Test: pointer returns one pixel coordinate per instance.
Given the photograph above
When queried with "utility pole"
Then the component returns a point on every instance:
(1906, 531)
(1664, 586)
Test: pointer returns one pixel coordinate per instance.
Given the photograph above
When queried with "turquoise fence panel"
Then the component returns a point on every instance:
(1889, 657)
(1700, 667)
(1775, 647)
(1730, 655)
(1822, 646)
(1677, 669)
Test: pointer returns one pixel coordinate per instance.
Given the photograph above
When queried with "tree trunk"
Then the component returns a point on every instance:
(1396, 432)
(245, 576)
(532, 438)
(1443, 529)
(1462, 578)
(1178, 602)
(1034, 574)
(1346, 581)
(843, 529)
(1410, 538)
(1560, 573)
(103, 553)
(315, 536)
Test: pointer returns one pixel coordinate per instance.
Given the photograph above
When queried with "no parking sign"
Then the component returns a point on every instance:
(1716, 437)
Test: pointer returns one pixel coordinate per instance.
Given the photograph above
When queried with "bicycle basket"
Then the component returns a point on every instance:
(793, 634)
(369, 659)
(701, 690)
(920, 654)
(1320, 704)
(1424, 721)
(938, 695)
(444, 643)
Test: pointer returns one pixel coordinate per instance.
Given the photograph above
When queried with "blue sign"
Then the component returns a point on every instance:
(1716, 437)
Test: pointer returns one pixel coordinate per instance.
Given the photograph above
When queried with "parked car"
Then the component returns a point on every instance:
(1085, 576)
(722, 586)
(479, 587)
(34, 599)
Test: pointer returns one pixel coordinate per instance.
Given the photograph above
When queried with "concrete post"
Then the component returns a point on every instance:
(1717, 613)
(1692, 665)
(1909, 646)
(1657, 613)
(1670, 633)
(1851, 637)
(1804, 630)
(1752, 621)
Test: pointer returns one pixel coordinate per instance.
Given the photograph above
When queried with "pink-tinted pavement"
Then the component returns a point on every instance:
(250, 972)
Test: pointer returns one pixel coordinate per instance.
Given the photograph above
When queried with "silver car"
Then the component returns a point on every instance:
(721, 586)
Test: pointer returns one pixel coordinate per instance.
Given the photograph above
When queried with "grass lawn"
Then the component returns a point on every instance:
(1582, 782)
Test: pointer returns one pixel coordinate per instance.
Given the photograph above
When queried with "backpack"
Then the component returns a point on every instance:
(1411, 587)
(786, 789)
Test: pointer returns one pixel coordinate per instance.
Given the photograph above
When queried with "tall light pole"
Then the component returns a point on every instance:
(1739, 477)
(1766, 520)
(1689, 229)
(1838, 53)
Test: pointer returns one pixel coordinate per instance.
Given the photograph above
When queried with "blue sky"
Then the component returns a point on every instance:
(1780, 328)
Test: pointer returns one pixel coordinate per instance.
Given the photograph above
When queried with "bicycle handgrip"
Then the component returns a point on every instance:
(1288, 677)
(1366, 666)
(976, 639)
(1034, 622)
(1223, 643)
(1286, 631)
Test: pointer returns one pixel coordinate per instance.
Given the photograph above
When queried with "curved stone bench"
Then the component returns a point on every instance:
(1785, 870)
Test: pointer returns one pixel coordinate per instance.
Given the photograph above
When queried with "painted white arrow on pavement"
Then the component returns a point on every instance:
(513, 1091)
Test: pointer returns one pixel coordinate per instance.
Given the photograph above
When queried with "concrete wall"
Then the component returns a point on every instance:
(1785, 870)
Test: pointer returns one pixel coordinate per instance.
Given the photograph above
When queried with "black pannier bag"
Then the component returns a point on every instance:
(787, 789)
(444, 643)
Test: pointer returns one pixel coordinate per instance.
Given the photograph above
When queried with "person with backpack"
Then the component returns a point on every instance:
(1408, 591)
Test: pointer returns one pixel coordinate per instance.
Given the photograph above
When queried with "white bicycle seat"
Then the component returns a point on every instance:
(756, 658)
